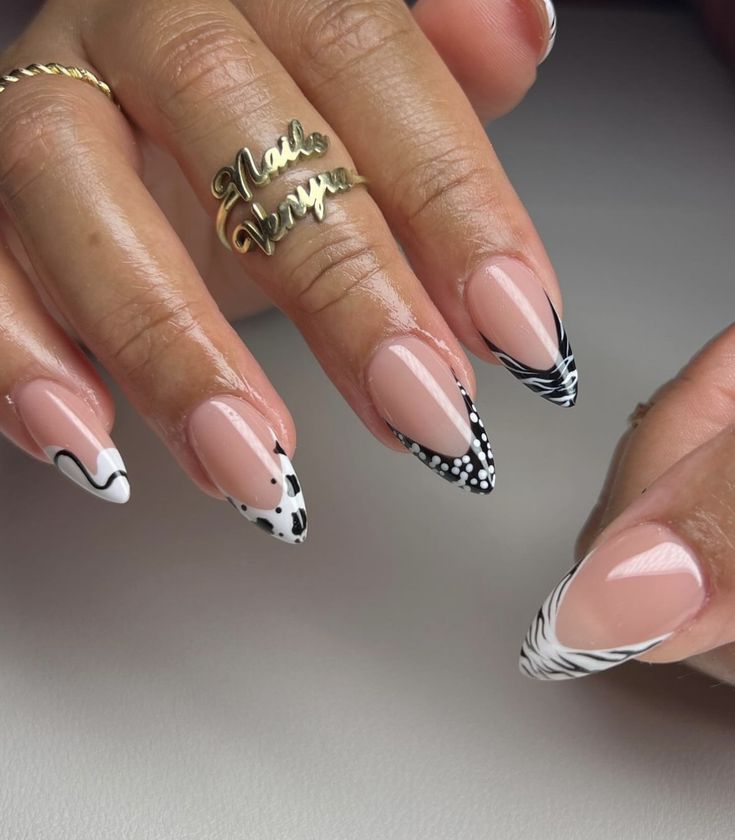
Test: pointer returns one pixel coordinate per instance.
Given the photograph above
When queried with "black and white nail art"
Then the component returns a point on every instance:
(109, 481)
(473, 471)
(544, 657)
(551, 15)
(559, 383)
(287, 521)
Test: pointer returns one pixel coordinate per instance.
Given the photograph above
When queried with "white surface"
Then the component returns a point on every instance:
(168, 673)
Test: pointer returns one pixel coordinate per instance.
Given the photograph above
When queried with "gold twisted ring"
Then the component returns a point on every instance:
(236, 183)
(54, 69)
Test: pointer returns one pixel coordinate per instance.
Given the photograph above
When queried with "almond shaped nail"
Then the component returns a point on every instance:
(514, 315)
(73, 438)
(430, 412)
(627, 596)
(239, 451)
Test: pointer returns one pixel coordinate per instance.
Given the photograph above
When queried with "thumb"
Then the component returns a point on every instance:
(658, 582)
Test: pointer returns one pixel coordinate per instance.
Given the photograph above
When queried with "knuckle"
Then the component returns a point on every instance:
(334, 270)
(38, 130)
(709, 374)
(445, 179)
(203, 60)
(144, 329)
(725, 343)
(337, 34)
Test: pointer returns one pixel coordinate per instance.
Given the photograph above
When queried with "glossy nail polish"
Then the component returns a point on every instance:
(430, 412)
(628, 595)
(72, 437)
(238, 450)
(514, 315)
(551, 17)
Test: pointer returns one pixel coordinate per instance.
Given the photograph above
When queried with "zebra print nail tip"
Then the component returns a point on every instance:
(631, 593)
(544, 657)
(475, 470)
(551, 38)
(287, 520)
(109, 481)
(557, 384)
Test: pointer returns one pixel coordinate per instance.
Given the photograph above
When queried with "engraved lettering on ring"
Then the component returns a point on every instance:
(233, 184)
(268, 228)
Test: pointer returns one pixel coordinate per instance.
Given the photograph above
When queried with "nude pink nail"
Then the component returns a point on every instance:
(628, 595)
(239, 451)
(428, 409)
(73, 438)
(514, 315)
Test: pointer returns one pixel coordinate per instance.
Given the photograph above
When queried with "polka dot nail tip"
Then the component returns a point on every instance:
(430, 412)
(239, 451)
(475, 469)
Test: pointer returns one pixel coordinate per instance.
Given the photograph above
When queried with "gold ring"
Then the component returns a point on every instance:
(54, 69)
(236, 183)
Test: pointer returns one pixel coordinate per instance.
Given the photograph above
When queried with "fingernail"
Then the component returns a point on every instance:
(73, 438)
(514, 315)
(430, 412)
(628, 595)
(551, 16)
(240, 453)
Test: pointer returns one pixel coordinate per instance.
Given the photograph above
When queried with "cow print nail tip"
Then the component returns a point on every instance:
(287, 521)
(109, 481)
(473, 471)
(558, 384)
(544, 657)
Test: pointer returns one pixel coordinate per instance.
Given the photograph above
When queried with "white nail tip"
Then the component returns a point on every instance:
(287, 521)
(551, 15)
(109, 480)
(544, 657)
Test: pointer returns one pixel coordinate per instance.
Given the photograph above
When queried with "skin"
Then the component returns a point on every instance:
(676, 466)
(141, 286)
(199, 79)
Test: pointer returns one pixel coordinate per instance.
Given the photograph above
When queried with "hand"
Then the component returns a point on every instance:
(201, 79)
(658, 581)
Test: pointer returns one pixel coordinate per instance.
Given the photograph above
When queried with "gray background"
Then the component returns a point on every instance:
(167, 672)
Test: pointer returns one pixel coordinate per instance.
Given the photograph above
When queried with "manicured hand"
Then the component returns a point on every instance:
(658, 581)
(397, 92)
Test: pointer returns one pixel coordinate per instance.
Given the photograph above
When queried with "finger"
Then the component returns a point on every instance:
(682, 415)
(596, 517)
(659, 581)
(373, 74)
(52, 403)
(122, 279)
(491, 47)
(198, 79)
